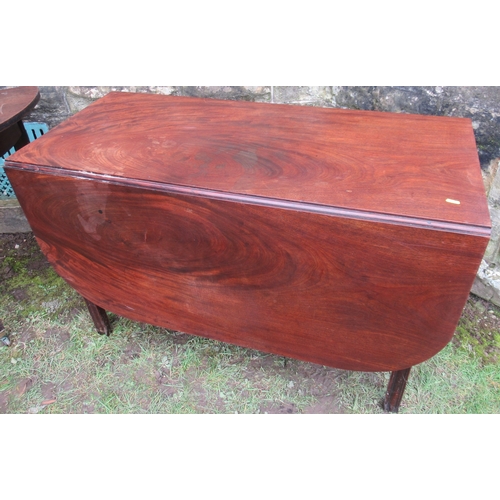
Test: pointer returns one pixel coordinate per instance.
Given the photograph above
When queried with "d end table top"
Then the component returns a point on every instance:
(15, 103)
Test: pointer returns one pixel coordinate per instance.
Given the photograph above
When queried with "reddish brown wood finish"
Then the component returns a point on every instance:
(319, 234)
(384, 163)
(395, 390)
(336, 291)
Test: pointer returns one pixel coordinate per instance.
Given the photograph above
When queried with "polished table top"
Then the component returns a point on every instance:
(408, 169)
(15, 103)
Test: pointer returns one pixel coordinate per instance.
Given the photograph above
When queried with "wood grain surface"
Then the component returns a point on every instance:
(423, 167)
(336, 291)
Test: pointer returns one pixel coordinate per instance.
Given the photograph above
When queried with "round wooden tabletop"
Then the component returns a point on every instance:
(16, 102)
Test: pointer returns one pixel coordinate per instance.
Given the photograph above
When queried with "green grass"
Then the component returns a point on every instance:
(57, 363)
(450, 382)
(139, 369)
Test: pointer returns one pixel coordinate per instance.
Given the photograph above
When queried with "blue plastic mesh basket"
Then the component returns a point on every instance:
(34, 131)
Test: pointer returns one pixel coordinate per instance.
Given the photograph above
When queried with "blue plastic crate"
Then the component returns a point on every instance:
(34, 131)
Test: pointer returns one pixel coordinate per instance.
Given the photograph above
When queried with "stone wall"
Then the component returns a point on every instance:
(480, 104)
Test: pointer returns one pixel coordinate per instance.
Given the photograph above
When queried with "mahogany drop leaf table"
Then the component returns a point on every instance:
(345, 238)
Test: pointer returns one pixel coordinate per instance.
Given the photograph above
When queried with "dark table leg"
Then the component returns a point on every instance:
(395, 390)
(14, 136)
(100, 318)
(23, 139)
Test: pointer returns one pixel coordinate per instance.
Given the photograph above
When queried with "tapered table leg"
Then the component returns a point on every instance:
(395, 390)
(99, 317)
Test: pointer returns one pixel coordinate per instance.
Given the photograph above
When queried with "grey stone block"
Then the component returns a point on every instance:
(492, 253)
(12, 219)
(480, 104)
(52, 108)
(487, 283)
(307, 96)
(260, 94)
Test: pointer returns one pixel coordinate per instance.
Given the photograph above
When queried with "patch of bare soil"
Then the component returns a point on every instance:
(19, 253)
(25, 336)
(49, 390)
(60, 335)
(22, 245)
(4, 401)
(23, 386)
(280, 408)
(314, 380)
(132, 351)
